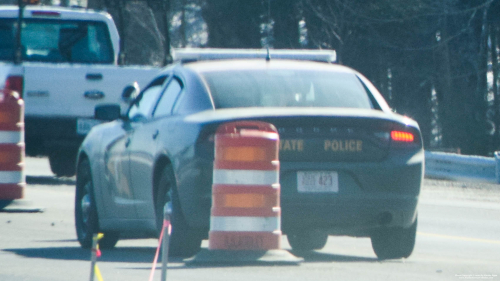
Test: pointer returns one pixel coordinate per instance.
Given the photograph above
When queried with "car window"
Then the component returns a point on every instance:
(58, 41)
(286, 88)
(143, 105)
(167, 100)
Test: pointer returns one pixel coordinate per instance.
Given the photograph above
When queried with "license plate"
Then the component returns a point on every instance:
(318, 181)
(83, 125)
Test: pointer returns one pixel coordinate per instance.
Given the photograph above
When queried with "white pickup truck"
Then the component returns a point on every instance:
(68, 65)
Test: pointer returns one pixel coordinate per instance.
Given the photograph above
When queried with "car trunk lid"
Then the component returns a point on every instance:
(322, 135)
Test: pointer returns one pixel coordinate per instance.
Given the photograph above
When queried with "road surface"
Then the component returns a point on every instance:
(458, 239)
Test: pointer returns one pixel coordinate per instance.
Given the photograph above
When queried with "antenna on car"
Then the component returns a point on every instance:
(268, 56)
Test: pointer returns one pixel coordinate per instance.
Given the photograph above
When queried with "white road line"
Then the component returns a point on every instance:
(459, 238)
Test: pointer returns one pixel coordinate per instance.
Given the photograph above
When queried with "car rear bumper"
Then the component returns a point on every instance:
(370, 195)
(350, 216)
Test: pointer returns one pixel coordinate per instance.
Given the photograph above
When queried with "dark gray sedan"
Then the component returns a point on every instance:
(349, 165)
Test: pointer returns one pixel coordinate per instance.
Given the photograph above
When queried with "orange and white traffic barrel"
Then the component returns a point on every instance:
(12, 147)
(246, 213)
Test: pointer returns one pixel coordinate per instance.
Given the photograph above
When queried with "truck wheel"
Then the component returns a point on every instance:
(62, 164)
(394, 243)
(4, 203)
(184, 240)
(86, 219)
(307, 240)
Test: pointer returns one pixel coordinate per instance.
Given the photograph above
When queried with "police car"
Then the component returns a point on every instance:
(348, 164)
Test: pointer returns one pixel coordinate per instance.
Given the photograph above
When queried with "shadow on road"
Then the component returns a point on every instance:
(123, 254)
(146, 255)
(49, 180)
(325, 257)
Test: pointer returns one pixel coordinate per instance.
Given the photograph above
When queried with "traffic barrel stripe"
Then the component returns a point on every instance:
(11, 157)
(245, 224)
(10, 191)
(8, 137)
(264, 166)
(18, 127)
(244, 188)
(8, 177)
(246, 200)
(239, 212)
(11, 167)
(245, 177)
(245, 240)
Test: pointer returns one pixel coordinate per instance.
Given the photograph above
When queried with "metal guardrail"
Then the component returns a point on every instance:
(450, 166)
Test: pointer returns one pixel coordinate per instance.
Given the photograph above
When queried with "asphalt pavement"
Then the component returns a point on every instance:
(458, 238)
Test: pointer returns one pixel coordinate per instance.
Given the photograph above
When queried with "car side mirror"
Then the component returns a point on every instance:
(130, 92)
(107, 112)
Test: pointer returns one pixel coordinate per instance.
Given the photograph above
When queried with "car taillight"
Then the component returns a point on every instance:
(15, 83)
(401, 136)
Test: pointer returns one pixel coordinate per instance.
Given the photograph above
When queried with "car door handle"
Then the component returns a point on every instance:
(127, 142)
(156, 133)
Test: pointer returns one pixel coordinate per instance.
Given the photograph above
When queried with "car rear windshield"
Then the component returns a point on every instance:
(286, 88)
(45, 40)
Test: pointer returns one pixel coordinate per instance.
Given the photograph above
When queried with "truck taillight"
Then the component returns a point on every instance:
(15, 83)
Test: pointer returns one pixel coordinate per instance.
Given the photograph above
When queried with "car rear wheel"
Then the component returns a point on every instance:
(184, 240)
(86, 220)
(307, 240)
(394, 243)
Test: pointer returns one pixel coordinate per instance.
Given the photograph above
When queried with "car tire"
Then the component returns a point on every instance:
(86, 218)
(184, 240)
(62, 163)
(307, 240)
(394, 242)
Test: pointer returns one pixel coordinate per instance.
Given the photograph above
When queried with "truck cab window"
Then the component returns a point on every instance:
(49, 40)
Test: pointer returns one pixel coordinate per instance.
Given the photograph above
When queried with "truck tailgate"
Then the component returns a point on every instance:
(75, 89)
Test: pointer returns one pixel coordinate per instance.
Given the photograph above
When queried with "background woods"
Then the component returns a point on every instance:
(434, 60)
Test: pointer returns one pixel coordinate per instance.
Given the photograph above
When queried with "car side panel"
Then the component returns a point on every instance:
(105, 147)
(142, 150)
(193, 173)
